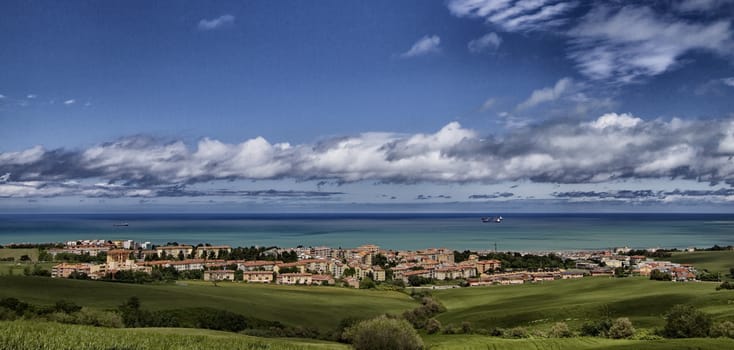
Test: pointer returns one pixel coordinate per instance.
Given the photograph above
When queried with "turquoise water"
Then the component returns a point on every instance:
(520, 232)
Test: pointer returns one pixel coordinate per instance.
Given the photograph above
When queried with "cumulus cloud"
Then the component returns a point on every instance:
(219, 22)
(425, 45)
(488, 42)
(69, 102)
(616, 41)
(611, 147)
(548, 94)
(648, 195)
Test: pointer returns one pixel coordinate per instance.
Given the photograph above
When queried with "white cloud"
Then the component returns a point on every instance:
(612, 147)
(488, 42)
(424, 46)
(70, 102)
(514, 15)
(219, 22)
(2, 96)
(489, 103)
(31, 96)
(635, 42)
(614, 41)
(548, 94)
(728, 81)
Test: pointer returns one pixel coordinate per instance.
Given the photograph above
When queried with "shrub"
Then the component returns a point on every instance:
(621, 328)
(658, 275)
(598, 328)
(433, 326)
(466, 327)
(725, 285)
(685, 321)
(560, 330)
(517, 332)
(384, 333)
(723, 329)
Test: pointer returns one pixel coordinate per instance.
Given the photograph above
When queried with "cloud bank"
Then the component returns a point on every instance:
(214, 23)
(611, 147)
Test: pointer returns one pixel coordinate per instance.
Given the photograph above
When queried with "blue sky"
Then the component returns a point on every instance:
(382, 105)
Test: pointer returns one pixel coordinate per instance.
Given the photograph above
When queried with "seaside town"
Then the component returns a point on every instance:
(356, 267)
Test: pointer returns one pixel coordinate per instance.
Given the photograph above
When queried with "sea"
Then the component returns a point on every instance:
(460, 231)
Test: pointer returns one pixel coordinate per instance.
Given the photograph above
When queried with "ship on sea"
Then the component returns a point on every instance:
(494, 219)
(124, 224)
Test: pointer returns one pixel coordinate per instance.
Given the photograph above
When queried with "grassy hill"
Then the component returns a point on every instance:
(321, 307)
(26, 335)
(577, 301)
(714, 261)
(17, 253)
(445, 342)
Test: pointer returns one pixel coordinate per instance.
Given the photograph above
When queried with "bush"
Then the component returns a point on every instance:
(560, 330)
(725, 285)
(621, 328)
(433, 326)
(723, 329)
(685, 321)
(598, 328)
(658, 275)
(384, 333)
(517, 333)
(466, 327)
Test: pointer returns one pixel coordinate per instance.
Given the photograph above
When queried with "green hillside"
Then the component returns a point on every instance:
(316, 306)
(576, 301)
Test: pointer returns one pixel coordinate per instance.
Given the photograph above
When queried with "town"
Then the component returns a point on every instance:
(360, 267)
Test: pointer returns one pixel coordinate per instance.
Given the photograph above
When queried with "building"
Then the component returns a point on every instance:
(294, 278)
(219, 275)
(257, 276)
(175, 251)
(205, 252)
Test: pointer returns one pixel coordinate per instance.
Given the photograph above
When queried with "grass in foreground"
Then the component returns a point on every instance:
(315, 306)
(26, 335)
(17, 253)
(577, 301)
(448, 342)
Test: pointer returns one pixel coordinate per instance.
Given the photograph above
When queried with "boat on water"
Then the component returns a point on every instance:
(494, 219)
(124, 224)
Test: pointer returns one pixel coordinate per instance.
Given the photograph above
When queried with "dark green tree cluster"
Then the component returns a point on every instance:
(657, 275)
(529, 262)
(384, 333)
(100, 258)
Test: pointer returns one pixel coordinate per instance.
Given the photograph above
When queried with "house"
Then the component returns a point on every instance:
(257, 276)
(219, 275)
(322, 279)
(257, 265)
(295, 278)
(570, 274)
(484, 266)
(63, 270)
(175, 251)
(352, 282)
(205, 252)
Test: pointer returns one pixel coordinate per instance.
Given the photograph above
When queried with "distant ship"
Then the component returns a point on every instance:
(494, 219)
(124, 224)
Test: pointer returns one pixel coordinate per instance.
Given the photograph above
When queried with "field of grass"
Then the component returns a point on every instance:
(714, 261)
(321, 307)
(26, 335)
(448, 342)
(578, 301)
(17, 268)
(17, 253)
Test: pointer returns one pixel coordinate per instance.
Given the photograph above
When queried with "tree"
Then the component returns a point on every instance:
(658, 275)
(685, 321)
(621, 328)
(560, 330)
(384, 333)
(723, 329)
(433, 326)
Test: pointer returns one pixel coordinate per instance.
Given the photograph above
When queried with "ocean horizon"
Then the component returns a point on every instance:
(460, 231)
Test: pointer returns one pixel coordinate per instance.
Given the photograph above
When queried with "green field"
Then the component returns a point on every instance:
(26, 335)
(577, 301)
(714, 261)
(449, 342)
(321, 307)
(17, 253)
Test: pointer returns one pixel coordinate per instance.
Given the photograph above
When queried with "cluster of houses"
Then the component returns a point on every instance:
(325, 265)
